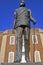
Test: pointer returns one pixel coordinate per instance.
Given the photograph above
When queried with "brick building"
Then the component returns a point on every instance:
(8, 46)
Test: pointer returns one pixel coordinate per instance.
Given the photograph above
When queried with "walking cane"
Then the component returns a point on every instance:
(34, 42)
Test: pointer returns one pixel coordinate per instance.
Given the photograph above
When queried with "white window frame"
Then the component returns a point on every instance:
(11, 57)
(12, 42)
(35, 38)
(37, 56)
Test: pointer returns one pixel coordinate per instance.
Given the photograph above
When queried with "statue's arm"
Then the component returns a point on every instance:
(32, 19)
(15, 16)
(14, 22)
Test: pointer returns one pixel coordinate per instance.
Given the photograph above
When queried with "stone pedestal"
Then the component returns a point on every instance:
(22, 63)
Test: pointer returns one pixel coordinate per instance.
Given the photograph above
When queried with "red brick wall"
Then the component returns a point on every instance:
(33, 47)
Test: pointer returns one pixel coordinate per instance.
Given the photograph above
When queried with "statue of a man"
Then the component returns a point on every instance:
(22, 20)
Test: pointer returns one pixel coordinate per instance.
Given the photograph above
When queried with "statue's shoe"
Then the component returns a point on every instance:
(27, 61)
(17, 61)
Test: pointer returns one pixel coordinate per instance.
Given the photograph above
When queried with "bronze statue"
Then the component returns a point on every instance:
(22, 20)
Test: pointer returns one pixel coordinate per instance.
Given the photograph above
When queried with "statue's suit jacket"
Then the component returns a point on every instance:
(22, 16)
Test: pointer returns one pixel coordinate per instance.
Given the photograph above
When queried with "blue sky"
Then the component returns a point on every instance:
(7, 8)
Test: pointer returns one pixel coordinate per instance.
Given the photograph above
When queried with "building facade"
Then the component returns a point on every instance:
(8, 46)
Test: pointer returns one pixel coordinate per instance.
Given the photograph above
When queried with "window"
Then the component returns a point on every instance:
(37, 56)
(12, 40)
(11, 57)
(34, 39)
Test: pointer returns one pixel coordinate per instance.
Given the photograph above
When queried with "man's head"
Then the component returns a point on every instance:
(22, 4)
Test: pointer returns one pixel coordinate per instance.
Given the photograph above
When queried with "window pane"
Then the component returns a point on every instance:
(11, 57)
(12, 40)
(34, 39)
(37, 56)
